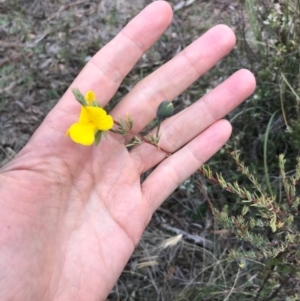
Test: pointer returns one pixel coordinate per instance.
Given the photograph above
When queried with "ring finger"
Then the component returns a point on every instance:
(183, 127)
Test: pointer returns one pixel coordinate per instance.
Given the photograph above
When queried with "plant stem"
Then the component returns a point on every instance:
(265, 154)
(158, 128)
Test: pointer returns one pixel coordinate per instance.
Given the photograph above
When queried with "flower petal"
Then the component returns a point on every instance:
(84, 116)
(99, 117)
(90, 97)
(105, 123)
(82, 133)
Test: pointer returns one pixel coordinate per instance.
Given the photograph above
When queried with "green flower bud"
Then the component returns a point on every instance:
(165, 110)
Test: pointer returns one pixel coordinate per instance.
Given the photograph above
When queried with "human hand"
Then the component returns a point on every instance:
(72, 215)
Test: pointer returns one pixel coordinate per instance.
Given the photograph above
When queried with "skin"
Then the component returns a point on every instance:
(72, 215)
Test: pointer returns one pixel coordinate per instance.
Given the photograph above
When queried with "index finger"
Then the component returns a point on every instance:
(106, 70)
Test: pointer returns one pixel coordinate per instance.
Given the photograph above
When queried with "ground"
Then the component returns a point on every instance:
(43, 46)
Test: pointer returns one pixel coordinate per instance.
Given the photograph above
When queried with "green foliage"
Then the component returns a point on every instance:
(274, 58)
(261, 210)
(277, 249)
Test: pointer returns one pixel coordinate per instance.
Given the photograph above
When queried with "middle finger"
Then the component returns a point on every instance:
(167, 82)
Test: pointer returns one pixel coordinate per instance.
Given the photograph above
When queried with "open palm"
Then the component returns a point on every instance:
(72, 215)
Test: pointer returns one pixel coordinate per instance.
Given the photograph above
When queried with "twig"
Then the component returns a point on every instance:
(234, 284)
(291, 88)
(275, 293)
(263, 284)
(146, 140)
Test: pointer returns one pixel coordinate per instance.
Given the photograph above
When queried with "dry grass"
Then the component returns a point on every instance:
(43, 46)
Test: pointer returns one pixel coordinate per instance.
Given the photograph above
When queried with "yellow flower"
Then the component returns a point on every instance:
(90, 97)
(91, 120)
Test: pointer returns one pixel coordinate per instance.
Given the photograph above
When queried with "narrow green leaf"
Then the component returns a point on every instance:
(79, 97)
(98, 137)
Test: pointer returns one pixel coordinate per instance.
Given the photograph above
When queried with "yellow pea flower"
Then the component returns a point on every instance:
(92, 119)
(90, 97)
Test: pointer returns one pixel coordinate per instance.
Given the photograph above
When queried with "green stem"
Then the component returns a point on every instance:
(265, 154)
(158, 128)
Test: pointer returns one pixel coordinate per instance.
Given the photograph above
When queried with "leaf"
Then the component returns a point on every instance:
(273, 223)
(98, 137)
(79, 97)
(245, 210)
(129, 122)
